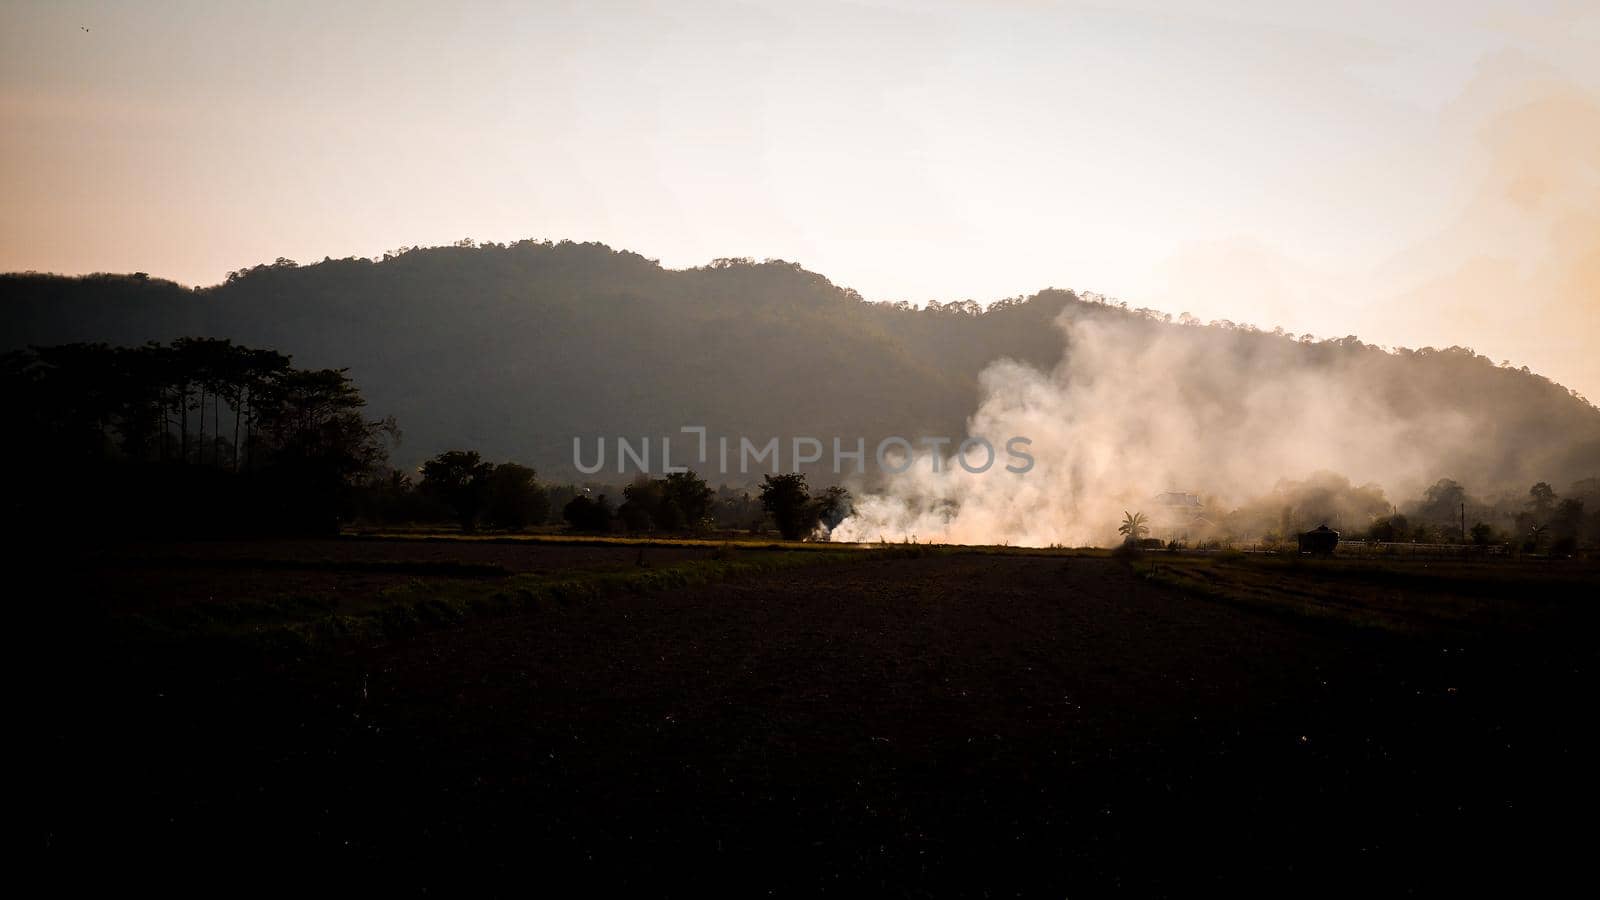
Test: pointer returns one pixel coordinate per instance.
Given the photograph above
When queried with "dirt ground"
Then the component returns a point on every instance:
(514, 555)
(127, 578)
(954, 724)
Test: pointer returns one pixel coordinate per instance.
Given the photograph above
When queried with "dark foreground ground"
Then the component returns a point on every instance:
(940, 724)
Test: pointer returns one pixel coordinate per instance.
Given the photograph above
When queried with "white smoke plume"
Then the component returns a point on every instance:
(1136, 408)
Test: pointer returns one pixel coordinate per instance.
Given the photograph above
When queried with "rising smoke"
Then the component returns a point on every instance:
(1136, 408)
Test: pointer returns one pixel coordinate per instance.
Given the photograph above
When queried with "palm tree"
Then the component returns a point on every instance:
(1133, 526)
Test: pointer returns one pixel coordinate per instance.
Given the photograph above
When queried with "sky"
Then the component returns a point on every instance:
(1413, 173)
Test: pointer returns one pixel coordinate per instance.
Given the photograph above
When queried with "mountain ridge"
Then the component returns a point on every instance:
(517, 349)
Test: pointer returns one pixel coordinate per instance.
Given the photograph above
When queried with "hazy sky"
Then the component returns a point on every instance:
(1415, 173)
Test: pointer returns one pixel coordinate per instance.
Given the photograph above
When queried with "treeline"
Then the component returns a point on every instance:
(683, 502)
(199, 435)
(460, 487)
(1538, 520)
(208, 437)
(1541, 521)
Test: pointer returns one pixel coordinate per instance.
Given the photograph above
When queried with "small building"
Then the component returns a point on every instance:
(1319, 541)
(1179, 518)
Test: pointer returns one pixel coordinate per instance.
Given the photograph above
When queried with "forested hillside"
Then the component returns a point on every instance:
(515, 349)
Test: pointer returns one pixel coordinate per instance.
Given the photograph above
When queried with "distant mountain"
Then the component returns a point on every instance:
(514, 350)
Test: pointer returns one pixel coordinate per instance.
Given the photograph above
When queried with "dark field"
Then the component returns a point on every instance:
(902, 721)
(351, 573)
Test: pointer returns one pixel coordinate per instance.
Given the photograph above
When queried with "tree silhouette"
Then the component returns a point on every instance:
(109, 412)
(1442, 502)
(1541, 500)
(787, 499)
(1133, 527)
(833, 505)
(642, 506)
(515, 499)
(584, 514)
(460, 478)
(690, 497)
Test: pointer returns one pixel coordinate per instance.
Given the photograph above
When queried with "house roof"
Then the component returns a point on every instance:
(1178, 498)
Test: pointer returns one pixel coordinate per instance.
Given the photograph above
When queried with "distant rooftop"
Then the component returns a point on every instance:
(1179, 498)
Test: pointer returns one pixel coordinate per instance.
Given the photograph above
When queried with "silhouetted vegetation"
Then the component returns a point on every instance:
(797, 513)
(516, 499)
(833, 505)
(584, 513)
(199, 435)
(681, 501)
(459, 479)
(506, 496)
(1133, 527)
(1537, 520)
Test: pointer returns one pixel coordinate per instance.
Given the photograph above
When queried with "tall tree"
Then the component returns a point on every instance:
(787, 499)
(1541, 501)
(459, 478)
(690, 496)
(515, 498)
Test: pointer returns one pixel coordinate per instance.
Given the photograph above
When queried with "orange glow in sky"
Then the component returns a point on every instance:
(1416, 174)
